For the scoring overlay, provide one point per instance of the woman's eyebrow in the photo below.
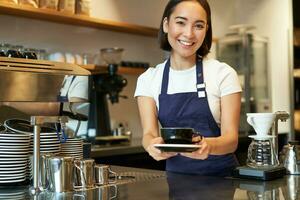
(184, 18)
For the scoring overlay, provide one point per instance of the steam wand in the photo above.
(282, 116)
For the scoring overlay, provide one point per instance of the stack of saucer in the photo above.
(49, 143)
(14, 151)
(16, 193)
(72, 147)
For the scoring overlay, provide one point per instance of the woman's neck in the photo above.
(182, 63)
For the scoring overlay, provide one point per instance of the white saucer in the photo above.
(177, 147)
(265, 137)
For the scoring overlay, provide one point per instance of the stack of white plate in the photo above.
(72, 147)
(49, 143)
(14, 194)
(14, 151)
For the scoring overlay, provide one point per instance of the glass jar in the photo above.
(3, 49)
(261, 154)
(29, 53)
(15, 52)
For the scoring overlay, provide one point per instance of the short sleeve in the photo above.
(143, 86)
(79, 87)
(229, 81)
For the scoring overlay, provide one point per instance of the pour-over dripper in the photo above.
(261, 122)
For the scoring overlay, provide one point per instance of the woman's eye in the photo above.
(180, 22)
(199, 26)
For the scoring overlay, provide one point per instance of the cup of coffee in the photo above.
(176, 135)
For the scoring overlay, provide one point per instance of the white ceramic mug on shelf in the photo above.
(261, 122)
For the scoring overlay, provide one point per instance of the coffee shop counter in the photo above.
(118, 148)
(136, 184)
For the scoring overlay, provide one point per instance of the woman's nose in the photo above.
(189, 31)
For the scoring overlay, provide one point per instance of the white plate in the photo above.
(177, 147)
(13, 181)
(15, 163)
(14, 138)
(14, 152)
(4, 141)
(12, 177)
(14, 147)
(2, 168)
(18, 135)
(11, 161)
(266, 137)
(12, 172)
(13, 157)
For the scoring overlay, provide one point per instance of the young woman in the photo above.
(190, 90)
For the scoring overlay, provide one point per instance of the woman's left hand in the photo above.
(202, 153)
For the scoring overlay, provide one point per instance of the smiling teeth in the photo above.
(185, 43)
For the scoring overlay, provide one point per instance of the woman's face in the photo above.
(186, 28)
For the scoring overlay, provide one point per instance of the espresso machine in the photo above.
(104, 87)
(27, 80)
(263, 162)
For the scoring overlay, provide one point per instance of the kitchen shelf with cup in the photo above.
(75, 19)
(98, 69)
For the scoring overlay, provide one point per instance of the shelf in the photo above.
(96, 69)
(296, 73)
(74, 19)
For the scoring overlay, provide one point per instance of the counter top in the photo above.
(153, 184)
(132, 147)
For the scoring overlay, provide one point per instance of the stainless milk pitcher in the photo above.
(102, 174)
(84, 173)
(61, 171)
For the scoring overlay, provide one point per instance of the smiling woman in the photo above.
(189, 90)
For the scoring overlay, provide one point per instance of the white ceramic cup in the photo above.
(261, 122)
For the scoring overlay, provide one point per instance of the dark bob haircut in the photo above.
(163, 37)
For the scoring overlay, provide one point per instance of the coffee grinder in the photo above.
(262, 161)
(105, 86)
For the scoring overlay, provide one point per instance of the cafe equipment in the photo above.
(84, 173)
(247, 53)
(262, 162)
(261, 190)
(105, 85)
(290, 156)
(26, 80)
(103, 173)
(61, 170)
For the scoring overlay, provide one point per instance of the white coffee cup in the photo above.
(261, 122)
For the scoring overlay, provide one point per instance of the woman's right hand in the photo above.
(156, 153)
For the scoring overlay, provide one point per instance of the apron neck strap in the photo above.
(165, 79)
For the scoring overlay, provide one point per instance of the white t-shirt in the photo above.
(76, 88)
(220, 80)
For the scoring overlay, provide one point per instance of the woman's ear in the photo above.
(165, 25)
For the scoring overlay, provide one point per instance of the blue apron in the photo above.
(191, 110)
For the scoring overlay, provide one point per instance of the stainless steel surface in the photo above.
(34, 80)
(43, 181)
(84, 173)
(282, 116)
(152, 184)
(290, 156)
(61, 171)
(37, 121)
(102, 175)
(36, 156)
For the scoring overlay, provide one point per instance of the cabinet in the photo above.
(79, 20)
